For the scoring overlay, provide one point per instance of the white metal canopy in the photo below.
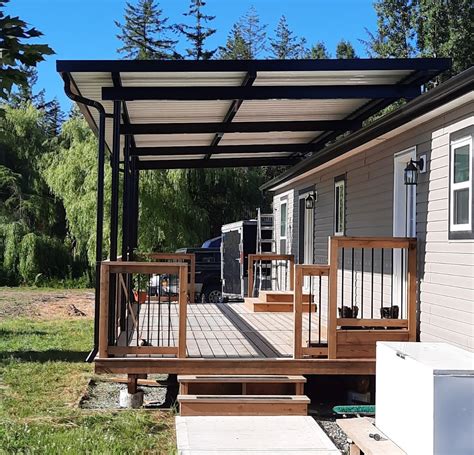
(187, 113)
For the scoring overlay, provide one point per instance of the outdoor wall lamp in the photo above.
(410, 173)
(309, 202)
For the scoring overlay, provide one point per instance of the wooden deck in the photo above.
(225, 330)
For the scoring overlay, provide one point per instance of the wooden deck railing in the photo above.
(370, 296)
(141, 332)
(190, 258)
(276, 262)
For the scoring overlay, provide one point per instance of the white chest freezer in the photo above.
(425, 397)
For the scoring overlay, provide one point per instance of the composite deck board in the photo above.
(225, 330)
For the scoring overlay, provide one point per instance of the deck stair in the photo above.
(242, 395)
(276, 302)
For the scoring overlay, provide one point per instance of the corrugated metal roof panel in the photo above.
(281, 137)
(180, 79)
(172, 140)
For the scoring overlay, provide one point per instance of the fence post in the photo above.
(298, 315)
(182, 309)
(104, 310)
(192, 296)
(332, 313)
(411, 290)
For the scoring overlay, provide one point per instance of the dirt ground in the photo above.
(46, 304)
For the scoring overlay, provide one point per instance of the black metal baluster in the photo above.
(381, 281)
(362, 287)
(148, 311)
(402, 278)
(138, 310)
(342, 283)
(372, 288)
(169, 305)
(310, 300)
(319, 312)
(352, 280)
(391, 280)
(159, 311)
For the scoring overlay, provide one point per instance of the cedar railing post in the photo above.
(298, 315)
(291, 262)
(104, 310)
(332, 313)
(250, 275)
(411, 290)
(182, 309)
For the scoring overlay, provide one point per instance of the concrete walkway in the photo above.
(252, 436)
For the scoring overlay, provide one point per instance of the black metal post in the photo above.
(114, 209)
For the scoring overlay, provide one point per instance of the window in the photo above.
(460, 183)
(339, 205)
(283, 218)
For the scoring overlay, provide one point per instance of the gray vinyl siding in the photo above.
(445, 267)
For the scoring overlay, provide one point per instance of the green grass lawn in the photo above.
(43, 376)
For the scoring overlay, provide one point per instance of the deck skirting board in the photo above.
(235, 366)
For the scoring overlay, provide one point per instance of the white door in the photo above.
(404, 223)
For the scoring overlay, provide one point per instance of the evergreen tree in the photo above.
(54, 118)
(345, 49)
(198, 33)
(395, 36)
(145, 32)
(444, 29)
(286, 45)
(16, 55)
(247, 38)
(319, 50)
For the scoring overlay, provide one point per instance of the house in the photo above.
(357, 187)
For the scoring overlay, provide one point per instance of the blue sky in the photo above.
(85, 29)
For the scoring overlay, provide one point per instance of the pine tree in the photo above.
(247, 38)
(198, 33)
(395, 36)
(286, 45)
(145, 32)
(345, 49)
(319, 50)
(54, 117)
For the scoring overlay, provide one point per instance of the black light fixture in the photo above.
(410, 173)
(309, 202)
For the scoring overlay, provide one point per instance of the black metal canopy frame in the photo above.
(365, 85)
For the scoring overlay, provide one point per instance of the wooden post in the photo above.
(192, 291)
(291, 262)
(333, 248)
(104, 310)
(298, 315)
(250, 276)
(411, 290)
(182, 310)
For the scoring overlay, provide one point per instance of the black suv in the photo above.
(208, 273)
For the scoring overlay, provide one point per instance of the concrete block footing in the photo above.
(131, 400)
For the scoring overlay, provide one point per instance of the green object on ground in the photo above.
(358, 409)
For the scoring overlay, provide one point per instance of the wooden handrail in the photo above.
(269, 257)
(118, 267)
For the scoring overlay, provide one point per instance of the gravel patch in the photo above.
(337, 436)
(105, 395)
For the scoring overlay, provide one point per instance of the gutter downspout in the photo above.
(100, 202)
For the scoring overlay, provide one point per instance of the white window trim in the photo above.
(467, 140)
(338, 184)
(284, 203)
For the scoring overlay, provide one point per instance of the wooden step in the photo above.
(256, 305)
(241, 384)
(279, 296)
(244, 405)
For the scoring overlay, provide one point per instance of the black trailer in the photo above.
(239, 239)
